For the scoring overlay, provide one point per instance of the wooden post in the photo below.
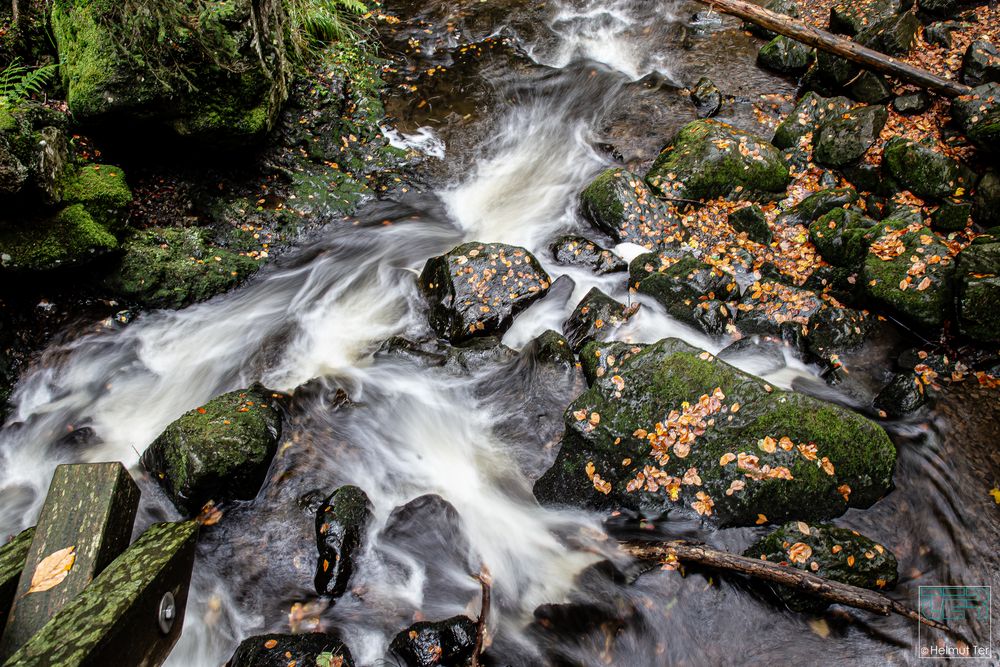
(85, 523)
(839, 46)
(12, 556)
(121, 619)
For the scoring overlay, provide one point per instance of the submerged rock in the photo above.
(978, 115)
(621, 205)
(219, 451)
(834, 553)
(844, 139)
(450, 642)
(903, 395)
(673, 428)
(341, 523)
(706, 97)
(275, 650)
(477, 288)
(708, 159)
(595, 318)
(579, 251)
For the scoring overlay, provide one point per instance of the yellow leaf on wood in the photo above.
(52, 569)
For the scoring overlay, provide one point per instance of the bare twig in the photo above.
(486, 581)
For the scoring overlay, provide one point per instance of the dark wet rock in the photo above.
(981, 64)
(606, 359)
(816, 205)
(770, 307)
(870, 88)
(730, 463)
(843, 236)
(889, 276)
(979, 290)
(597, 317)
(829, 74)
(986, 205)
(706, 98)
(750, 220)
(912, 103)
(477, 288)
(785, 56)
(922, 170)
(35, 157)
(810, 112)
(834, 330)
(978, 115)
(621, 205)
(850, 18)
(553, 349)
(449, 643)
(220, 83)
(939, 33)
(689, 289)
(786, 7)
(579, 251)
(477, 353)
(276, 650)
(219, 451)
(70, 238)
(834, 553)
(903, 395)
(174, 267)
(709, 159)
(846, 138)
(766, 355)
(944, 8)
(952, 215)
(341, 523)
(893, 35)
(398, 347)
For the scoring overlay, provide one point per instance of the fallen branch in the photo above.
(839, 46)
(485, 580)
(800, 580)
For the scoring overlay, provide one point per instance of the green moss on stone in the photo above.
(70, 238)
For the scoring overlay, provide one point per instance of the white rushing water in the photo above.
(322, 314)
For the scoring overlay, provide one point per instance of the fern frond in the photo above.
(19, 82)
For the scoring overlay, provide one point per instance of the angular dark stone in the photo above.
(981, 64)
(341, 523)
(952, 215)
(706, 97)
(870, 88)
(850, 18)
(894, 35)
(978, 115)
(276, 650)
(450, 643)
(595, 318)
(922, 170)
(843, 237)
(912, 103)
(816, 205)
(579, 251)
(620, 204)
(986, 207)
(845, 139)
(811, 111)
(688, 289)
(901, 396)
(785, 56)
(751, 221)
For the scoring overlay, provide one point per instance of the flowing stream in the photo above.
(477, 436)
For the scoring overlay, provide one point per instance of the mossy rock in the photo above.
(688, 289)
(844, 139)
(174, 267)
(817, 205)
(730, 447)
(850, 18)
(621, 205)
(978, 116)
(785, 56)
(578, 251)
(810, 112)
(596, 317)
(986, 207)
(894, 35)
(220, 451)
(707, 159)
(102, 190)
(830, 552)
(892, 278)
(477, 289)
(750, 220)
(843, 236)
(924, 171)
(70, 238)
(151, 68)
(979, 292)
(34, 152)
(341, 523)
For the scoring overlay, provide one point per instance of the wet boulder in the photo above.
(844, 139)
(986, 205)
(850, 18)
(785, 56)
(978, 115)
(688, 289)
(317, 649)
(707, 159)
(222, 83)
(69, 238)
(810, 112)
(910, 270)
(621, 205)
(894, 35)
(835, 329)
(673, 429)
(912, 103)
(980, 64)
(34, 152)
(830, 73)
(451, 642)
(172, 267)
(843, 236)
(922, 170)
(817, 205)
(579, 251)
(902, 395)
(750, 220)
(830, 552)
(770, 307)
(944, 8)
(606, 359)
(219, 451)
(979, 290)
(706, 97)
(341, 523)
(786, 7)
(477, 289)
(952, 215)
(870, 88)
(596, 318)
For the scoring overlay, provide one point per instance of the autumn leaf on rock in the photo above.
(52, 570)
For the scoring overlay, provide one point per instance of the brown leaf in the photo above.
(52, 569)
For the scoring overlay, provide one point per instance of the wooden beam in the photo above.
(839, 46)
(90, 508)
(118, 620)
(12, 556)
